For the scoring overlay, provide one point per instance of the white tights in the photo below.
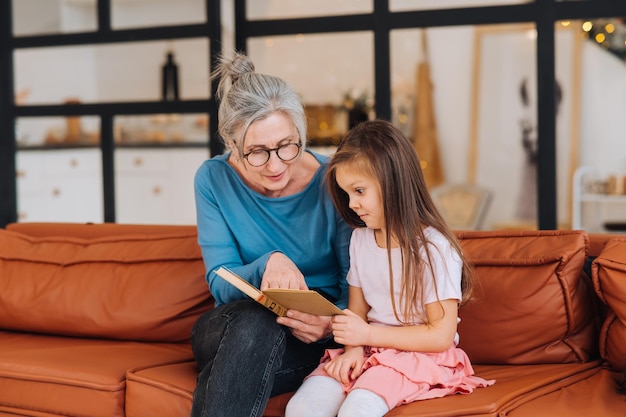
(322, 396)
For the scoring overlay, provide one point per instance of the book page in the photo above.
(279, 300)
(307, 301)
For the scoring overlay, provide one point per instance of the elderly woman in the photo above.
(263, 212)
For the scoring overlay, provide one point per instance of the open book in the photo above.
(279, 300)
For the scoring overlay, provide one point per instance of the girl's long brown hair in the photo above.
(387, 155)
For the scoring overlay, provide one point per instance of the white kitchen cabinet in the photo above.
(60, 185)
(152, 186)
(155, 186)
(592, 210)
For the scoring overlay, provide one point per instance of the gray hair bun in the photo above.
(229, 70)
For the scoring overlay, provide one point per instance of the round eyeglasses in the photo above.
(286, 152)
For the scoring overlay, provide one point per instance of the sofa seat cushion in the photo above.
(513, 382)
(532, 304)
(574, 399)
(609, 279)
(145, 287)
(161, 391)
(167, 391)
(73, 377)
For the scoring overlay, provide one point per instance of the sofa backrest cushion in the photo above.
(95, 230)
(609, 279)
(531, 303)
(144, 287)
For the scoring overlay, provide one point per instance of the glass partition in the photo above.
(159, 129)
(134, 14)
(414, 5)
(336, 84)
(285, 9)
(597, 180)
(431, 76)
(466, 96)
(113, 72)
(55, 131)
(37, 17)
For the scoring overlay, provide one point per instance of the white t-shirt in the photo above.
(369, 270)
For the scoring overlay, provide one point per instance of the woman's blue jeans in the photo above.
(244, 357)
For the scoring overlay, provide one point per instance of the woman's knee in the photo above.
(234, 325)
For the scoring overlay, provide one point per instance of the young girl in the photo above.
(407, 278)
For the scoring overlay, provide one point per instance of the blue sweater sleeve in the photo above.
(218, 243)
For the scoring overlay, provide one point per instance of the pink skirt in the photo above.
(402, 377)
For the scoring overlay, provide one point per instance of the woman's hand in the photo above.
(308, 328)
(348, 366)
(281, 272)
(350, 329)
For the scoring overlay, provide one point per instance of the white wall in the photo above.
(603, 113)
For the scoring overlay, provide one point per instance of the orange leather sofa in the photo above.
(95, 321)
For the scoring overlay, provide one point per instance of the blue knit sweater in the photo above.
(239, 228)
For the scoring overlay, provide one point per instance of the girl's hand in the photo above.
(348, 366)
(281, 272)
(308, 328)
(350, 329)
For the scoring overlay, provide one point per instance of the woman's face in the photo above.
(268, 134)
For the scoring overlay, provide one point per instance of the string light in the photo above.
(609, 33)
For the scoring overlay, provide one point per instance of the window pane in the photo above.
(407, 5)
(609, 33)
(161, 128)
(445, 56)
(481, 122)
(330, 82)
(115, 72)
(145, 13)
(51, 131)
(505, 134)
(598, 146)
(35, 17)
(285, 9)
(568, 44)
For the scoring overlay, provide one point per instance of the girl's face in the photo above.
(269, 134)
(364, 193)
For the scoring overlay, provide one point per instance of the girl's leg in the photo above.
(363, 403)
(318, 396)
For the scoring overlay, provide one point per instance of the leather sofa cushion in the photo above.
(531, 303)
(593, 396)
(166, 391)
(44, 375)
(96, 230)
(513, 383)
(143, 287)
(609, 279)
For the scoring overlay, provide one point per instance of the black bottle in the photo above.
(169, 79)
